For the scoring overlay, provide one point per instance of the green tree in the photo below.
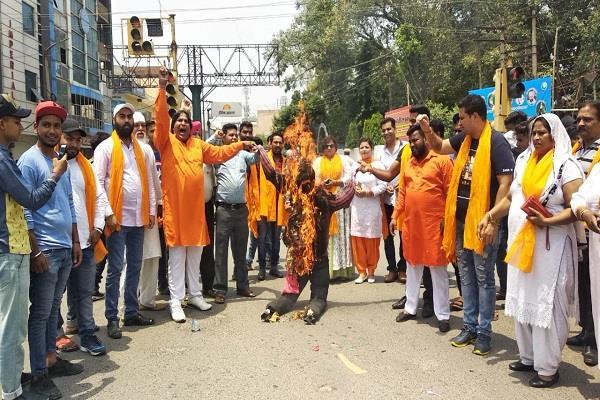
(371, 129)
(352, 136)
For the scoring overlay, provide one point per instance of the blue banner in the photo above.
(536, 100)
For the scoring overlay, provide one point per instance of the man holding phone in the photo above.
(55, 249)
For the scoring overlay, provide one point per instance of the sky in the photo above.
(209, 22)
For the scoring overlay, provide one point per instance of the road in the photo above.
(356, 351)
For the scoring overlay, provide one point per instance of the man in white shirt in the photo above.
(387, 155)
(132, 199)
(80, 285)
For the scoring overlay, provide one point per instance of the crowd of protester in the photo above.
(523, 204)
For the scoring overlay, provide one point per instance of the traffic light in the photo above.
(173, 93)
(135, 35)
(516, 88)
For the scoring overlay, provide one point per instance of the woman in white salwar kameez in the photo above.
(335, 171)
(586, 207)
(542, 255)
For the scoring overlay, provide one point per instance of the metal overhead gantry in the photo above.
(203, 68)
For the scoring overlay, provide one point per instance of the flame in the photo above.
(301, 225)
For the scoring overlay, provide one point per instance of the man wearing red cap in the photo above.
(55, 249)
(125, 174)
(15, 251)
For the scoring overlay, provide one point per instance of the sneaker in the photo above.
(64, 343)
(64, 368)
(177, 313)
(91, 344)
(43, 384)
(464, 338)
(483, 345)
(29, 395)
(97, 295)
(199, 303)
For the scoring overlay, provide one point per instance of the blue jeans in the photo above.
(45, 294)
(80, 288)
(132, 238)
(14, 299)
(252, 247)
(478, 284)
(268, 232)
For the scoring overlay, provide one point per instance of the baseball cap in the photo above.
(8, 107)
(119, 107)
(50, 108)
(70, 125)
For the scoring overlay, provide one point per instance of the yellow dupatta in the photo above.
(115, 189)
(332, 169)
(520, 253)
(89, 181)
(479, 199)
(253, 199)
(577, 146)
(404, 158)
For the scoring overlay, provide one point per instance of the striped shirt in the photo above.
(586, 155)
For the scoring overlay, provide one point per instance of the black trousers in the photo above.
(207, 262)
(319, 288)
(388, 246)
(501, 267)
(163, 262)
(586, 317)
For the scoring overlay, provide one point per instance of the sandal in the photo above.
(219, 298)
(64, 343)
(456, 304)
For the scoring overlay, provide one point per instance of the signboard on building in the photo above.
(536, 100)
(220, 109)
(402, 117)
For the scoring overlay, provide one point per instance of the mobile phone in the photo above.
(62, 151)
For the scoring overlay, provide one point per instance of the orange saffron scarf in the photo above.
(89, 181)
(595, 160)
(115, 189)
(479, 199)
(332, 169)
(253, 199)
(535, 176)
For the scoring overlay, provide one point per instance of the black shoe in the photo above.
(113, 330)
(42, 384)
(28, 395)
(404, 316)
(266, 315)
(590, 355)
(464, 338)
(276, 273)
(262, 275)
(97, 295)
(25, 378)
(64, 368)
(520, 367)
(138, 320)
(427, 311)
(577, 340)
(310, 318)
(500, 296)
(399, 305)
(444, 326)
(538, 382)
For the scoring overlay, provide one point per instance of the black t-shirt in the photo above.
(503, 163)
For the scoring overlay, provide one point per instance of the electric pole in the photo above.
(534, 43)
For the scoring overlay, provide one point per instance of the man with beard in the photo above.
(125, 175)
(15, 250)
(271, 213)
(185, 227)
(587, 151)
(55, 248)
(152, 245)
(91, 208)
(423, 186)
(325, 205)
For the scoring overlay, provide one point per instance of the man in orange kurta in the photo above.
(185, 228)
(423, 186)
(271, 213)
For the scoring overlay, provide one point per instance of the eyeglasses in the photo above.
(330, 146)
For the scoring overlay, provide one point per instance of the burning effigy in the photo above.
(308, 209)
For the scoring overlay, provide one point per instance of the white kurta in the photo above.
(366, 212)
(151, 236)
(589, 196)
(530, 296)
